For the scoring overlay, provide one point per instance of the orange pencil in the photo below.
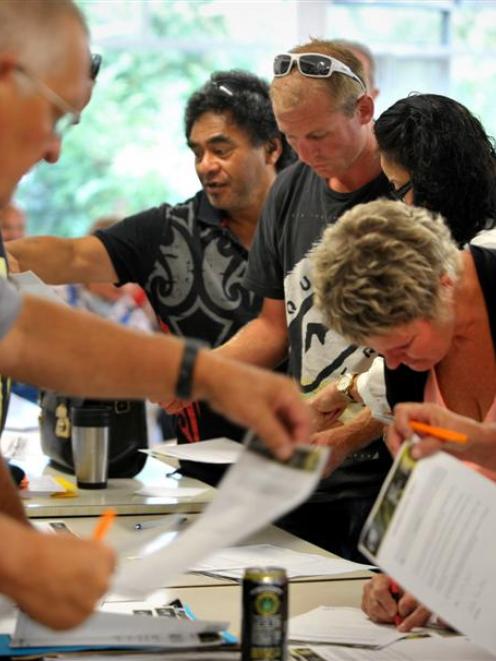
(103, 524)
(439, 432)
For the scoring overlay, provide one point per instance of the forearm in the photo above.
(356, 434)
(258, 343)
(62, 261)
(80, 354)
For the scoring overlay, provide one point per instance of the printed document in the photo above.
(341, 626)
(214, 451)
(231, 562)
(118, 630)
(427, 649)
(254, 492)
(433, 529)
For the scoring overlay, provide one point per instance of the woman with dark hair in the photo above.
(438, 156)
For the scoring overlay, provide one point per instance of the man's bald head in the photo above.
(34, 30)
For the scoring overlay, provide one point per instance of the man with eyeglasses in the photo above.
(190, 257)
(321, 105)
(44, 75)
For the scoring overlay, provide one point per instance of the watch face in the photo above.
(344, 383)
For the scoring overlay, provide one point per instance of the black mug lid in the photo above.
(90, 417)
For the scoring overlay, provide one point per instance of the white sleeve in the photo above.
(372, 388)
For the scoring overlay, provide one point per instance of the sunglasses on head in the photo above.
(312, 65)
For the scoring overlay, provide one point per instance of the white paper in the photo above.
(23, 446)
(427, 649)
(116, 629)
(439, 544)
(231, 562)
(343, 626)
(22, 415)
(255, 491)
(158, 491)
(215, 451)
(41, 485)
(29, 283)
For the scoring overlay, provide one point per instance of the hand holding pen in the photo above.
(385, 603)
(435, 428)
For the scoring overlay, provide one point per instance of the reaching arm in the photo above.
(263, 341)
(349, 437)
(76, 353)
(61, 261)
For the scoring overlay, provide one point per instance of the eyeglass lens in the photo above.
(282, 64)
(314, 65)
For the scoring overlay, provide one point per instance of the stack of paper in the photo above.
(341, 626)
(428, 649)
(116, 630)
(215, 451)
(256, 490)
(231, 562)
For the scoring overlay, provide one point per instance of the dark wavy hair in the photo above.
(246, 98)
(450, 158)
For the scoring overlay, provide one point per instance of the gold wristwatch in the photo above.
(345, 384)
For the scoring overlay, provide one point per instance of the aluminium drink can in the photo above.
(265, 614)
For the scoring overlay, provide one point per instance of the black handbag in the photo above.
(128, 432)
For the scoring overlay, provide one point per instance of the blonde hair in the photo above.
(289, 91)
(35, 30)
(379, 266)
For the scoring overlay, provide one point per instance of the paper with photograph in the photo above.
(433, 529)
(254, 492)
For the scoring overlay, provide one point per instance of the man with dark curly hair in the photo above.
(190, 258)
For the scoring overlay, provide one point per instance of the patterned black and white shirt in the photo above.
(192, 268)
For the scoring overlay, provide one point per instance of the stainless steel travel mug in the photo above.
(90, 446)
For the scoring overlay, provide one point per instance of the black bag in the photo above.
(128, 432)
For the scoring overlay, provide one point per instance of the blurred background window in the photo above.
(129, 152)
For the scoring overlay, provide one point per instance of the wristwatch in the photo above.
(344, 385)
(184, 383)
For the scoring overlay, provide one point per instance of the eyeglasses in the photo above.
(96, 63)
(68, 117)
(399, 193)
(312, 65)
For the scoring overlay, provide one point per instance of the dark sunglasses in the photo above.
(399, 193)
(312, 65)
(96, 63)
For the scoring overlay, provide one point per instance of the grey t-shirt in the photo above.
(299, 207)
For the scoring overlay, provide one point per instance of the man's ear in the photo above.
(365, 108)
(273, 151)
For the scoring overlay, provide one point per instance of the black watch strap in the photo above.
(184, 384)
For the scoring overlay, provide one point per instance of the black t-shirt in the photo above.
(298, 209)
(192, 268)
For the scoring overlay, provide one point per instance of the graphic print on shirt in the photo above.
(318, 354)
(197, 281)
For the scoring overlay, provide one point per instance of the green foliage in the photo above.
(105, 165)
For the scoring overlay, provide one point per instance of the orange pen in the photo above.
(439, 432)
(103, 524)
